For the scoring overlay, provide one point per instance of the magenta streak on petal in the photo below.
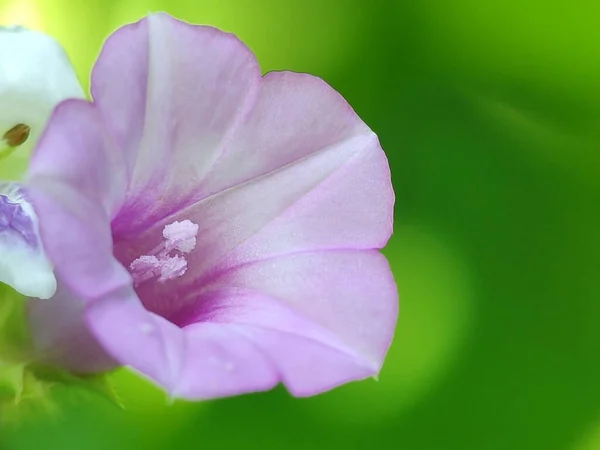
(216, 215)
(195, 113)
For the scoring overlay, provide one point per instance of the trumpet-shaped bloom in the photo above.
(219, 229)
(35, 75)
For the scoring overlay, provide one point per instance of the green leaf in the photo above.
(26, 385)
(98, 384)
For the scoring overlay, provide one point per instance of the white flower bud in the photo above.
(35, 75)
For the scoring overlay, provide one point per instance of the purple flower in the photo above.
(216, 231)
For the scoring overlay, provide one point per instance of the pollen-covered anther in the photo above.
(166, 262)
(181, 235)
(145, 268)
(172, 267)
(17, 135)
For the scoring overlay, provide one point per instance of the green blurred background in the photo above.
(490, 115)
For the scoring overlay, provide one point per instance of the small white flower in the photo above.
(35, 76)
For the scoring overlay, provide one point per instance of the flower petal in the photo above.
(75, 181)
(35, 75)
(302, 173)
(23, 263)
(332, 191)
(249, 342)
(296, 115)
(311, 321)
(171, 93)
(348, 292)
(61, 337)
(137, 338)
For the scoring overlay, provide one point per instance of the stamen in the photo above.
(144, 268)
(166, 260)
(181, 235)
(13, 138)
(172, 267)
(17, 135)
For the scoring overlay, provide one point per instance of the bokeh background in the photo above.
(490, 115)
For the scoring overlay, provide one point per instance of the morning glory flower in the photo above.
(215, 230)
(35, 75)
